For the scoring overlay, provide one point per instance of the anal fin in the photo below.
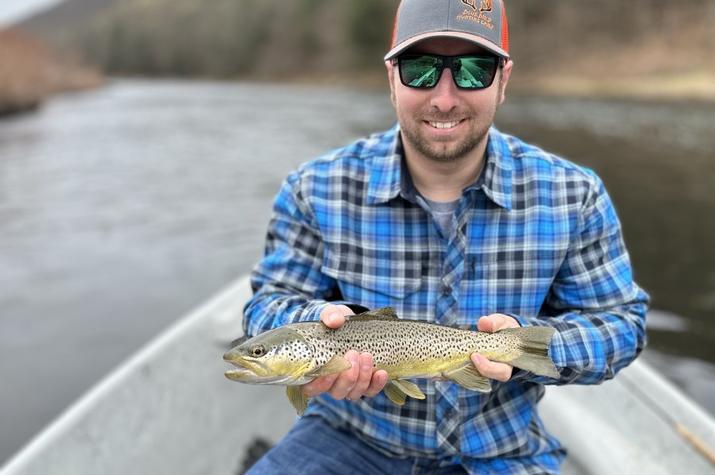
(469, 377)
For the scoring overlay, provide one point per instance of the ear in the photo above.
(504, 80)
(391, 79)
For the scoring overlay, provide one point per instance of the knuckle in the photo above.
(339, 391)
(376, 385)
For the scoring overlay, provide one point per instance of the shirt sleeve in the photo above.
(288, 285)
(594, 304)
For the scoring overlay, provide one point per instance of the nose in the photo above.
(445, 93)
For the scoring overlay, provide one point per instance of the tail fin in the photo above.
(534, 347)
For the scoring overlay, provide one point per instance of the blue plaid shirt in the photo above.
(536, 237)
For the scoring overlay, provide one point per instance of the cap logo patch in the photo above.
(484, 5)
(481, 15)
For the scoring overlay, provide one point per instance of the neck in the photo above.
(444, 181)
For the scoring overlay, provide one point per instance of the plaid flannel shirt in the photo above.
(537, 237)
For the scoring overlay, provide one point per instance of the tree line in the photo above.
(281, 39)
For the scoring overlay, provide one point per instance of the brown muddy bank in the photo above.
(30, 72)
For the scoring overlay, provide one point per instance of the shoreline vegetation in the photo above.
(645, 50)
(30, 72)
(696, 86)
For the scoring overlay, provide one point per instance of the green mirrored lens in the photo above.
(468, 71)
(474, 72)
(420, 71)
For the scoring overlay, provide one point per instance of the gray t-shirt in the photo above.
(443, 212)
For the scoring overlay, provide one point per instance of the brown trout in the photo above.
(297, 353)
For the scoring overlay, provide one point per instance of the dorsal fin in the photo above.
(385, 313)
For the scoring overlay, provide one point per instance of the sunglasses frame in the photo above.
(449, 62)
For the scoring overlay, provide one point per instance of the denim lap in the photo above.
(314, 446)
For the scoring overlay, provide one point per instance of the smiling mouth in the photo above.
(443, 125)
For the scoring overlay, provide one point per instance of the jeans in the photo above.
(314, 447)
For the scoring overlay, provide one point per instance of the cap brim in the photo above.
(478, 40)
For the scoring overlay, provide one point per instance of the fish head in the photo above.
(279, 356)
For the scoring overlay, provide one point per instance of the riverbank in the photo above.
(696, 86)
(692, 86)
(646, 49)
(30, 72)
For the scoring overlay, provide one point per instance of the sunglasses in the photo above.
(422, 71)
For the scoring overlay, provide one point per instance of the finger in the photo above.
(495, 322)
(491, 369)
(333, 316)
(319, 385)
(377, 383)
(485, 324)
(347, 379)
(364, 377)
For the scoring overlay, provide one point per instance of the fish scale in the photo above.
(392, 343)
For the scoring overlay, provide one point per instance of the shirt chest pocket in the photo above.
(373, 277)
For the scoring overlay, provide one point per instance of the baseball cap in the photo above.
(480, 21)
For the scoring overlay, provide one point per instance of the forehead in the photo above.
(447, 47)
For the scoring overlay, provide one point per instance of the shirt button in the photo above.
(446, 290)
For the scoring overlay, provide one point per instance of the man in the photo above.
(445, 219)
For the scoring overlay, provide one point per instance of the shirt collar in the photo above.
(497, 175)
(386, 167)
(386, 171)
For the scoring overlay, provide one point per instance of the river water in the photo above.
(123, 208)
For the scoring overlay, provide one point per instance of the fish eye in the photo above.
(258, 351)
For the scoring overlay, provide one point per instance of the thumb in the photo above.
(333, 316)
(495, 322)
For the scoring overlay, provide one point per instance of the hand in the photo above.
(490, 369)
(354, 383)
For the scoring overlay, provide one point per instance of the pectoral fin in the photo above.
(409, 388)
(469, 377)
(336, 364)
(394, 393)
(297, 398)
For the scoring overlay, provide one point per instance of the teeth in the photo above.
(444, 125)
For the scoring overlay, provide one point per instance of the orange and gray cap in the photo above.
(480, 21)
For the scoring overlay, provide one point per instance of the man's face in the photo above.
(446, 123)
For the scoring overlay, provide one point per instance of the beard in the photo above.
(442, 151)
(445, 150)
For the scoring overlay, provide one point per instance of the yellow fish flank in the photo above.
(295, 354)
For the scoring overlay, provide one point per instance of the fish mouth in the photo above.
(247, 371)
(241, 374)
(245, 375)
(242, 371)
